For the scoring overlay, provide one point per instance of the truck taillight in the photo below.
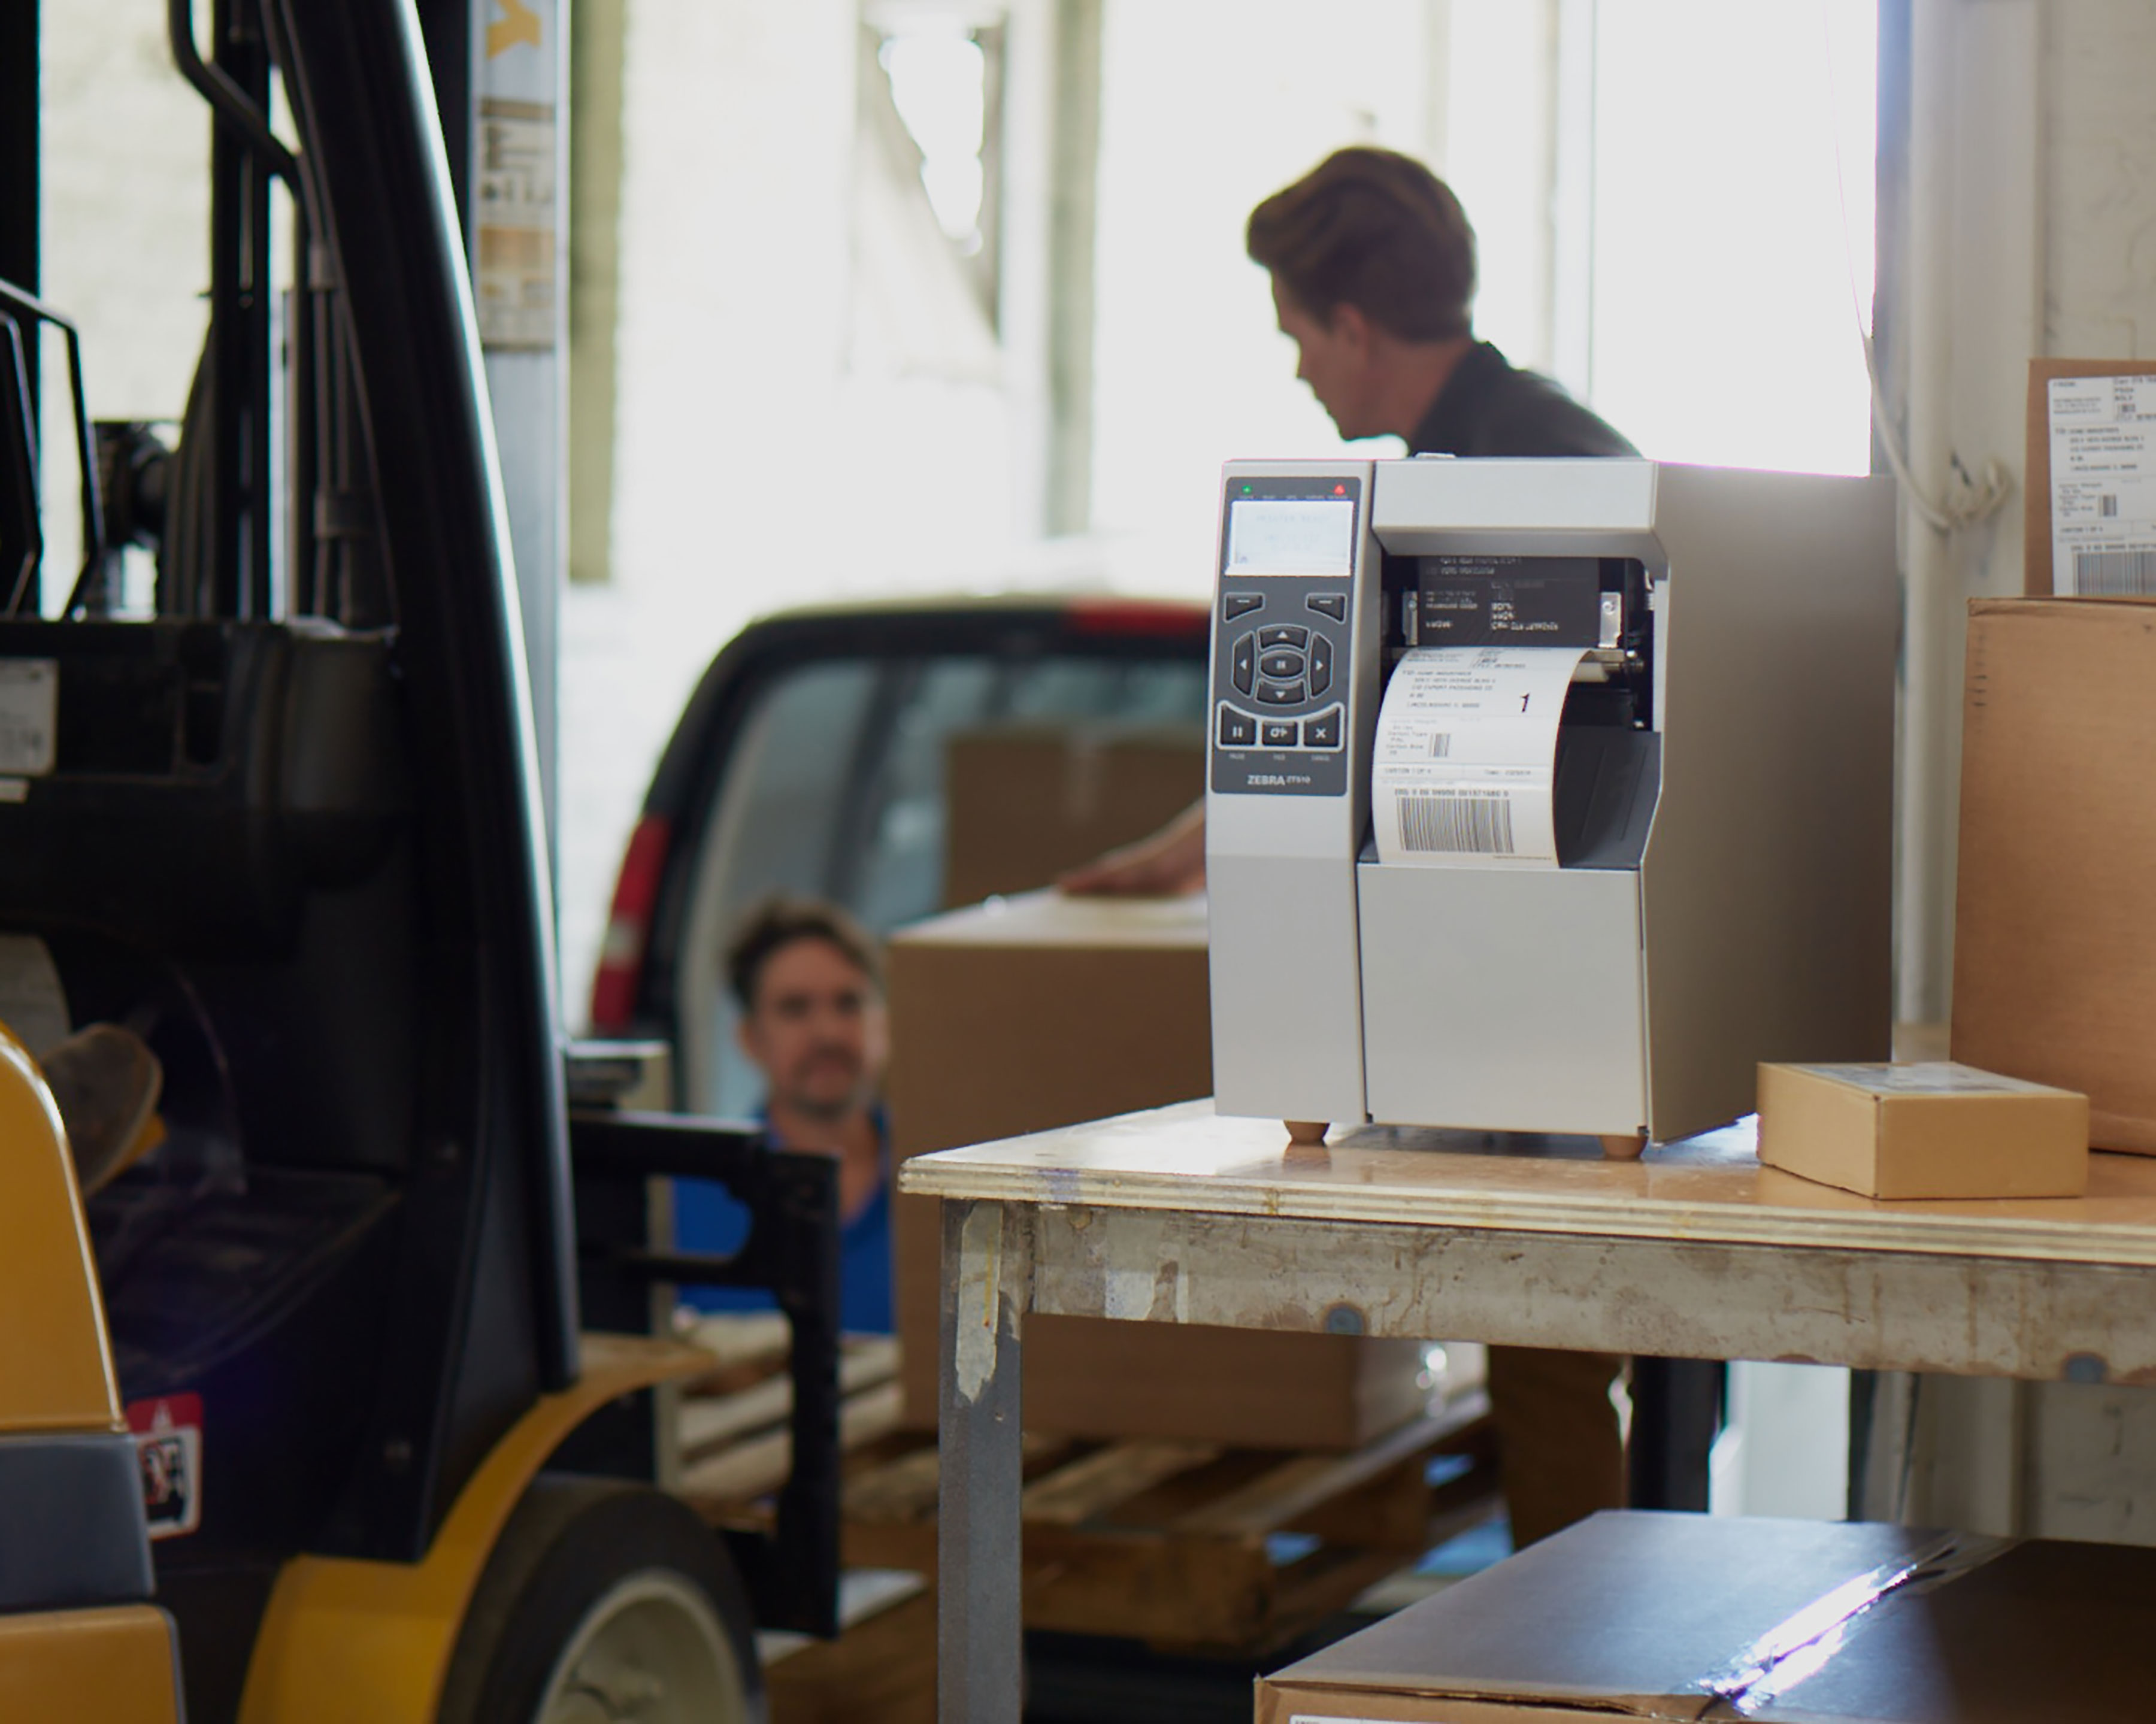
(628, 928)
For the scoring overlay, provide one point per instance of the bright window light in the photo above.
(1732, 243)
(938, 85)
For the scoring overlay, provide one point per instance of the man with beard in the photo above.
(809, 984)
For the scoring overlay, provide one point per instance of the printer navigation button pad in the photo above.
(1280, 687)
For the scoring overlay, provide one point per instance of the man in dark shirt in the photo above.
(1373, 266)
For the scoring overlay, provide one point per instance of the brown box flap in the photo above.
(1784, 1622)
(1026, 803)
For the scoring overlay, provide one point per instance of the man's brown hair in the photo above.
(1376, 230)
(777, 922)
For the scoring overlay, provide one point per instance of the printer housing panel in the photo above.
(1767, 879)
(1283, 824)
(1503, 966)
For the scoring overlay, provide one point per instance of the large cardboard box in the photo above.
(1684, 1617)
(1044, 1010)
(1931, 1129)
(2054, 924)
(1027, 802)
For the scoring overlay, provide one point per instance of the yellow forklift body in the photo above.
(114, 1665)
(55, 1360)
(348, 1642)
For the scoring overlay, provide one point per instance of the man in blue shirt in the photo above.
(809, 983)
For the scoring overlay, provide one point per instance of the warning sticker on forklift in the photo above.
(29, 715)
(168, 1442)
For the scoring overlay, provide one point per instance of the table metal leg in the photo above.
(987, 1282)
(1676, 1413)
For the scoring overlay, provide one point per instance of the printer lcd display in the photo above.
(1292, 536)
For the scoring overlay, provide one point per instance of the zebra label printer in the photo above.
(1546, 795)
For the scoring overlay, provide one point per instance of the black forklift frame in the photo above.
(791, 1251)
(21, 312)
(400, 477)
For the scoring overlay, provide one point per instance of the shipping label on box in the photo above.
(2089, 502)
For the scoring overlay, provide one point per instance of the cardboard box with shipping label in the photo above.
(2054, 916)
(1044, 1010)
(1669, 1617)
(1934, 1129)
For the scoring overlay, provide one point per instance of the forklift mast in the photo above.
(290, 831)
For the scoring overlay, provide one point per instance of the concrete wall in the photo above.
(2099, 178)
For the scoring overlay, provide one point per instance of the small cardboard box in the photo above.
(1044, 1010)
(1936, 1130)
(2036, 566)
(1028, 802)
(2055, 922)
(1693, 1616)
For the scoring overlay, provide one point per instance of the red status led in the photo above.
(1339, 491)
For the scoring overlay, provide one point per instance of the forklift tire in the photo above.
(602, 1601)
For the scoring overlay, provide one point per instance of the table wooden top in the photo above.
(1706, 1189)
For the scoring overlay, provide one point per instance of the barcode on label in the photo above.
(2105, 574)
(2106, 506)
(1476, 822)
(1440, 745)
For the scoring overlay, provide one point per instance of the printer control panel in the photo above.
(1282, 633)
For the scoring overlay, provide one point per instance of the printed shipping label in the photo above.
(1464, 772)
(2103, 486)
(29, 716)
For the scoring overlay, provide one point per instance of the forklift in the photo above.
(349, 1402)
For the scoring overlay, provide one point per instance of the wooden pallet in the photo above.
(1186, 1546)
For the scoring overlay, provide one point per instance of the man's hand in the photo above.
(1169, 865)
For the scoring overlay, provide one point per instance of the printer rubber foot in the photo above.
(1306, 1131)
(1624, 1146)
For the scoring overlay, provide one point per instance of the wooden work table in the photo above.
(1179, 1215)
